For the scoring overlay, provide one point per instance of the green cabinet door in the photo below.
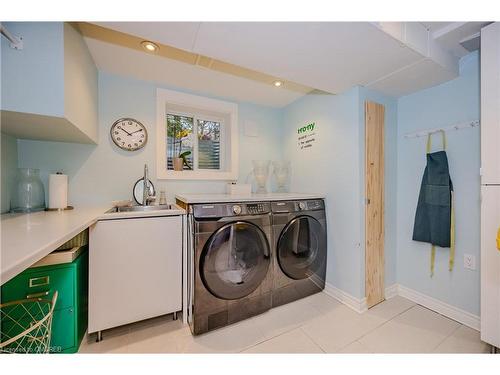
(63, 331)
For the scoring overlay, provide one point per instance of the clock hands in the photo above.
(119, 127)
(140, 130)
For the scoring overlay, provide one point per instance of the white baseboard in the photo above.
(358, 305)
(452, 312)
(391, 291)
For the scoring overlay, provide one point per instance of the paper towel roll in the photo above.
(58, 191)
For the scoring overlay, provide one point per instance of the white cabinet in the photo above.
(490, 265)
(49, 88)
(490, 179)
(490, 104)
(135, 270)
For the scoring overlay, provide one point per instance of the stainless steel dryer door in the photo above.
(235, 260)
(301, 248)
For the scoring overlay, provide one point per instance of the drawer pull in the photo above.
(39, 281)
(36, 295)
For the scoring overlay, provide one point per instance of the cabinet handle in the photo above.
(36, 295)
(498, 239)
(39, 281)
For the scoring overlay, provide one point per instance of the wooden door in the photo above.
(374, 212)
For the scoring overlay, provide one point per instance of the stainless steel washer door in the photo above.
(301, 248)
(235, 260)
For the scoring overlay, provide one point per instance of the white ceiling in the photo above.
(450, 34)
(433, 26)
(396, 58)
(128, 62)
(328, 56)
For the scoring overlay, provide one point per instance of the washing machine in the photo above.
(231, 266)
(300, 249)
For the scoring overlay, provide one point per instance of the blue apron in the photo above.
(434, 218)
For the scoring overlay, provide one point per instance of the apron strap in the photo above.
(433, 258)
(452, 234)
(429, 142)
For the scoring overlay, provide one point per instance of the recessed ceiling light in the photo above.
(149, 46)
(278, 83)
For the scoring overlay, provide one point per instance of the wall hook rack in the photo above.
(457, 126)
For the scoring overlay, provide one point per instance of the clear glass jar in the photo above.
(281, 171)
(261, 172)
(29, 194)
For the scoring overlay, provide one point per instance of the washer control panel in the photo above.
(257, 208)
(230, 209)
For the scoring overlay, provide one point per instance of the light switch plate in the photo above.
(470, 262)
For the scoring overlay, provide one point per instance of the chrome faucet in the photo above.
(146, 198)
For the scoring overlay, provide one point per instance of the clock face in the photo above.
(129, 134)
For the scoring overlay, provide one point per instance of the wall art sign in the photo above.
(306, 136)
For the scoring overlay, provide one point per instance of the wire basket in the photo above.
(26, 325)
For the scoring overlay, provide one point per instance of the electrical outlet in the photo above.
(469, 262)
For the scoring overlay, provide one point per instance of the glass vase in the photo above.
(261, 172)
(29, 194)
(281, 171)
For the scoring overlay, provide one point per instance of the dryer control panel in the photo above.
(297, 206)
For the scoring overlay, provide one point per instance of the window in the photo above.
(179, 139)
(209, 155)
(197, 137)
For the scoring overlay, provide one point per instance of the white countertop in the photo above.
(27, 238)
(227, 198)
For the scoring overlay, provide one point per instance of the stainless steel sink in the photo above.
(141, 208)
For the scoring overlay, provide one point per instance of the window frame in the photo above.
(197, 105)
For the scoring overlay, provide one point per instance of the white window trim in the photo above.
(163, 98)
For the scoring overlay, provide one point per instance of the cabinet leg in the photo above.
(99, 336)
(493, 349)
(175, 315)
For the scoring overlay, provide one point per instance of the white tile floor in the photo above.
(315, 324)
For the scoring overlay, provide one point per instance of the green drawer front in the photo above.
(64, 331)
(41, 280)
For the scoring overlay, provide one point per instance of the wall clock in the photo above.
(129, 134)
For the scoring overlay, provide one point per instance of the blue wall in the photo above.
(334, 166)
(454, 101)
(100, 174)
(330, 167)
(40, 61)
